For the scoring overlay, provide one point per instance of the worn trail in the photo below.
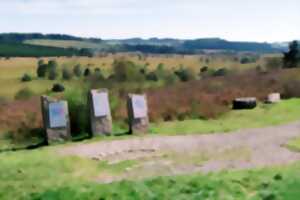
(242, 149)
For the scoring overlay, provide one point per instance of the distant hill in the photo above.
(152, 45)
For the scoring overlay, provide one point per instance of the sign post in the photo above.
(56, 120)
(100, 114)
(138, 113)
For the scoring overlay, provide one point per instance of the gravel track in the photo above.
(265, 146)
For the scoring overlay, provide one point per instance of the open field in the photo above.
(11, 70)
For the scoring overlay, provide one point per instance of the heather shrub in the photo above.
(291, 89)
(26, 78)
(24, 94)
(66, 73)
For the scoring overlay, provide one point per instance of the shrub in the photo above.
(24, 94)
(221, 72)
(291, 89)
(77, 70)
(248, 59)
(203, 69)
(152, 76)
(171, 78)
(185, 74)
(273, 63)
(79, 112)
(52, 70)
(98, 74)
(66, 74)
(127, 71)
(42, 70)
(26, 78)
(161, 72)
(57, 87)
(87, 72)
(52, 74)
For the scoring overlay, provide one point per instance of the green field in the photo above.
(294, 145)
(264, 115)
(44, 175)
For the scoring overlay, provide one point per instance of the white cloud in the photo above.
(231, 19)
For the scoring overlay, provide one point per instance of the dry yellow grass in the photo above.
(12, 69)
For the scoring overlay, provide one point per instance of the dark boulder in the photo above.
(244, 103)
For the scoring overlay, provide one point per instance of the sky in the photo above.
(235, 20)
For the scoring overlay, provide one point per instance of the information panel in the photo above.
(139, 106)
(101, 104)
(57, 115)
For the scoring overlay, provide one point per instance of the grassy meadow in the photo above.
(264, 115)
(45, 175)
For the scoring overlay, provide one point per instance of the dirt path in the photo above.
(168, 155)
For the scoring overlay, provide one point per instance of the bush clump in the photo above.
(127, 71)
(185, 74)
(24, 94)
(57, 87)
(66, 74)
(26, 78)
(77, 70)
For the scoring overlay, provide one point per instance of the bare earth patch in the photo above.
(170, 155)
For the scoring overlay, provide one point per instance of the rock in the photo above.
(274, 98)
(56, 120)
(138, 114)
(244, 103)
(100, 113)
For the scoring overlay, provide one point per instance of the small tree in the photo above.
(185, 74)
(77, 70)
(125, 70)
(26, 78)
(87, 72)
(292, 57)
(42, 69)
(52, 70)
(66, 74)
(52, 74)
(52, 64)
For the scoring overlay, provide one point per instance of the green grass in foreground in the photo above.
(43, 175)
(294, 145)
(264, 115)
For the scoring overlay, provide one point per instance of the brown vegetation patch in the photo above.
(210, 97)
(17, 114)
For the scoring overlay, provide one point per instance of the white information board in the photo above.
(139, 106)
(57, 115)
(101, 104)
